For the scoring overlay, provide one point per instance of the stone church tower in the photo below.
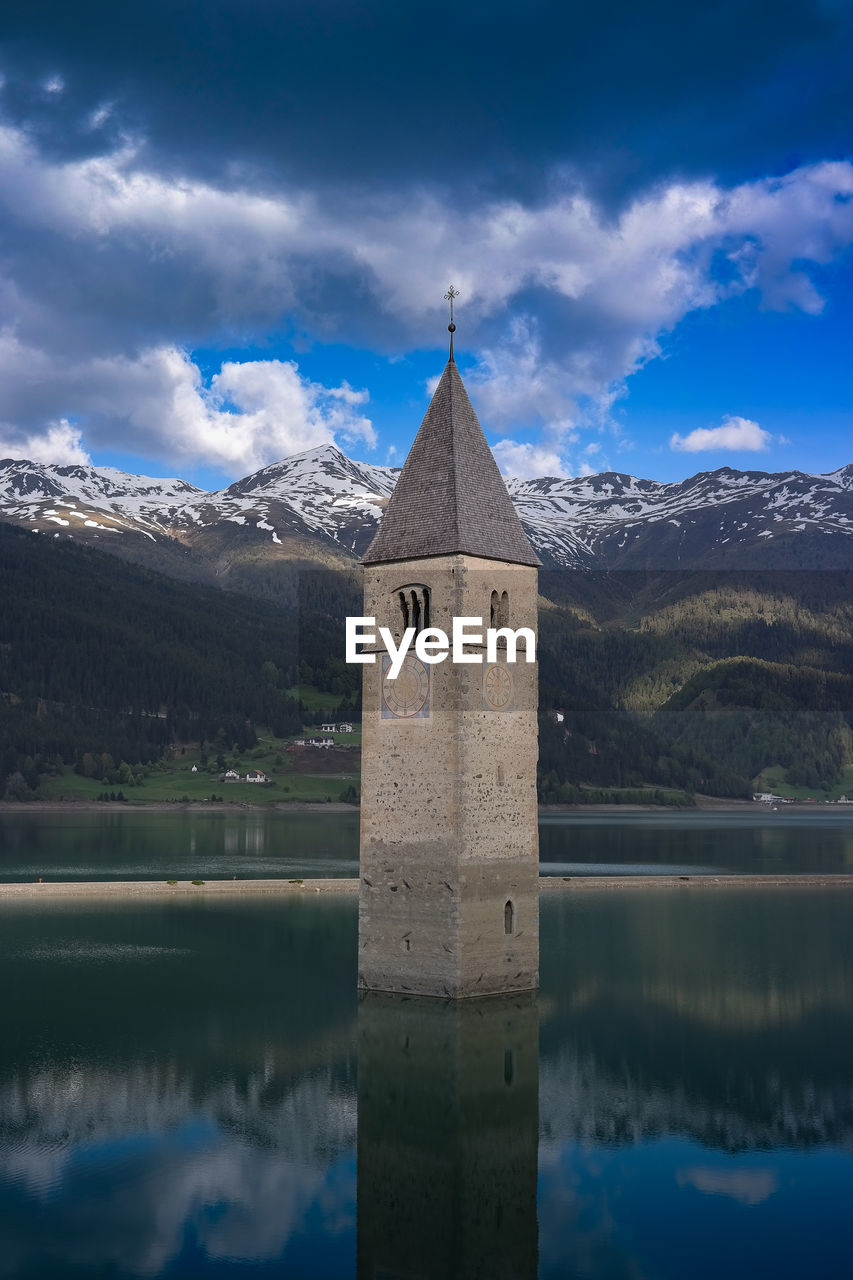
(448, 899)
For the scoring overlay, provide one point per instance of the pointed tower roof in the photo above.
(450, 496)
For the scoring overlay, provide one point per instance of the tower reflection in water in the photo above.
(448, 1123)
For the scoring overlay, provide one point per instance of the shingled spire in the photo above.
(450, 497)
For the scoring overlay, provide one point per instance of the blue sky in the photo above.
(227, 230)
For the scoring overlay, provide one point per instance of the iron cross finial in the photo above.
(450, 295)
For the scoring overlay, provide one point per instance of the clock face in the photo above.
(497, 688)
(406, 696)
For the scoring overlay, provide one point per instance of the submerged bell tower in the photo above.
(449, 864)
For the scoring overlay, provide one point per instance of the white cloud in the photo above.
(736, 434)
(515, 384)
(60, 444)
(526, 461)
(275, 412)
(153, 263)
(252, 414)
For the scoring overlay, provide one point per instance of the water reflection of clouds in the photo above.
(240, 1203)
(747, 1186)
(129, 1162)
(633, 1212)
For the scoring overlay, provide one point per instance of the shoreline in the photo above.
(121, 889)
(230, 807)
(704, 805)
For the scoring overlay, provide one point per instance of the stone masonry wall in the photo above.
(448, 817)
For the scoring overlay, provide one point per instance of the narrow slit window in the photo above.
(404, 606)
(494, 606)
(509, 917)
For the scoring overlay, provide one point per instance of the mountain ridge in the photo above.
(320, 503)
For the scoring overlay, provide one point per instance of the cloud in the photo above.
(59, 444)
(252, 413)
(526, 461)
(294, 94)
(118, 269)
(736, 434)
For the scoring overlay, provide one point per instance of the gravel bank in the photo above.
(547, 884)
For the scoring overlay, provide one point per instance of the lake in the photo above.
(193, 1089)
(116, 844)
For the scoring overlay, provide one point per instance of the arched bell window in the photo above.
(414, 606)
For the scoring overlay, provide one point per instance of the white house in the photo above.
(232, 775)
(255, 775)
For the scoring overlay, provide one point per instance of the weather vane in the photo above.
(450, 295)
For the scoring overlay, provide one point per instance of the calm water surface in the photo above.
(192, 1089)
(123, 845)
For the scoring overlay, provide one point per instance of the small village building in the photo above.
(255, 775)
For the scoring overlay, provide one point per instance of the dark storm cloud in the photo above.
(480, 94)
(263, 175)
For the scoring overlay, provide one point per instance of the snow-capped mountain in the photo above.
(323, 499)
(723, 517)
(329, 495)
(101, 499)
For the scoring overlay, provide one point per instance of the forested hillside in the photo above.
(103, 658)
(701, 680)
(697, 682)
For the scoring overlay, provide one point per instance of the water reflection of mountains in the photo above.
(669, 1013)
(728, 1019)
